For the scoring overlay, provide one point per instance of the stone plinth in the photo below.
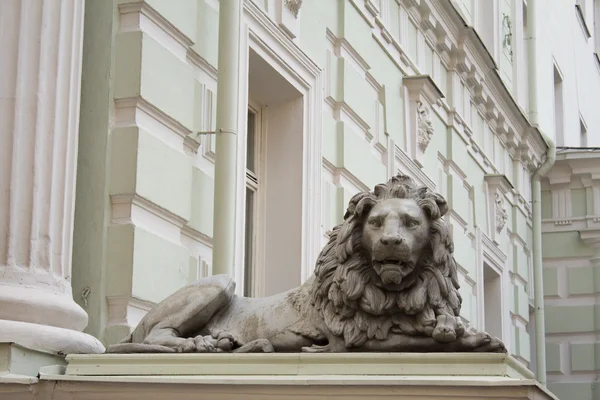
(40, 60)
(292, 376)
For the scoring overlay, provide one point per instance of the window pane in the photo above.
(249, 242)
(250, 141)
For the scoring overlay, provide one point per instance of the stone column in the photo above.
(40, 60)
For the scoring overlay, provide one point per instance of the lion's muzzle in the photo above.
(392, 271)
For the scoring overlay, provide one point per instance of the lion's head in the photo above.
(389, 265)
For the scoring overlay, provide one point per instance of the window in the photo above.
(582, 133)
(284, 201)
(597, 29)
(273, 238)
(583, 16)
(558, 108)
(253, 136)
(492, 297)
(524, 62)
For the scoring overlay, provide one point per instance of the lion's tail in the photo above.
(138, 348)
(126, 346)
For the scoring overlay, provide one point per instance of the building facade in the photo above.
(335, 96)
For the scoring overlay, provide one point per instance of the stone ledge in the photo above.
(298, 364)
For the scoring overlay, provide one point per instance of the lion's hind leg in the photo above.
(175, 321)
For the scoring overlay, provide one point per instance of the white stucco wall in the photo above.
(563, 43)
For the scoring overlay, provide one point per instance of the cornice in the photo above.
(499, 181)
(575, 167)
(142, 7)
(477, 68)
(197, 60)
(493, 252)
(413, 169)
(127, 112)
(590, 237)
(423, 85)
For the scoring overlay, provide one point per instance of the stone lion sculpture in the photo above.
(385, 282)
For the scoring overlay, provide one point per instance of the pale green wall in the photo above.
(117, 259)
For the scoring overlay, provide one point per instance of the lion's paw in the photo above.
(445, 329)
(475, 340)
(494, 345)
(186, 346)
(216, 343)
(483, 343)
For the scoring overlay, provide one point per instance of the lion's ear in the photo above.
(380, 190)
(441, 203)
(351, 210)
(365, 205)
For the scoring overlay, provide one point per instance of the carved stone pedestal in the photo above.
(291, 376)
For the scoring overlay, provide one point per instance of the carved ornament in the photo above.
(424, 125)
(501, 212)
(293, 6)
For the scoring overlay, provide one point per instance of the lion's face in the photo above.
(395, 233)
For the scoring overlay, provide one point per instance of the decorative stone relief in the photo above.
(378, 286)
(501, 212)
(293, 6)
(424, 126)
(421, 93)
(498, 188)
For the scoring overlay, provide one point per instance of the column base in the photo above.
(38, 304)
(49, 339)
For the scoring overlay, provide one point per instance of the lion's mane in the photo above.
(350, 295)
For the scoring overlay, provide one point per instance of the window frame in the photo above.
(262, 36)
(254, 182)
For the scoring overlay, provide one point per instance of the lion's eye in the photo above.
(375, 223)
(413, 223)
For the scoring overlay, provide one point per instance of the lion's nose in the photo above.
(391, 240)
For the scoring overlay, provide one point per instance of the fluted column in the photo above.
(40, 64)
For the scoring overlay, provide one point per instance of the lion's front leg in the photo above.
(447, 328)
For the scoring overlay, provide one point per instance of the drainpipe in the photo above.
(230, 19)
(536, 196)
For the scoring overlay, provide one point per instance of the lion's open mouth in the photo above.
(392, 271)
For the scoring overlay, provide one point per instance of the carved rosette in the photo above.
(424, 125)
(293, 6)
(501, 212)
